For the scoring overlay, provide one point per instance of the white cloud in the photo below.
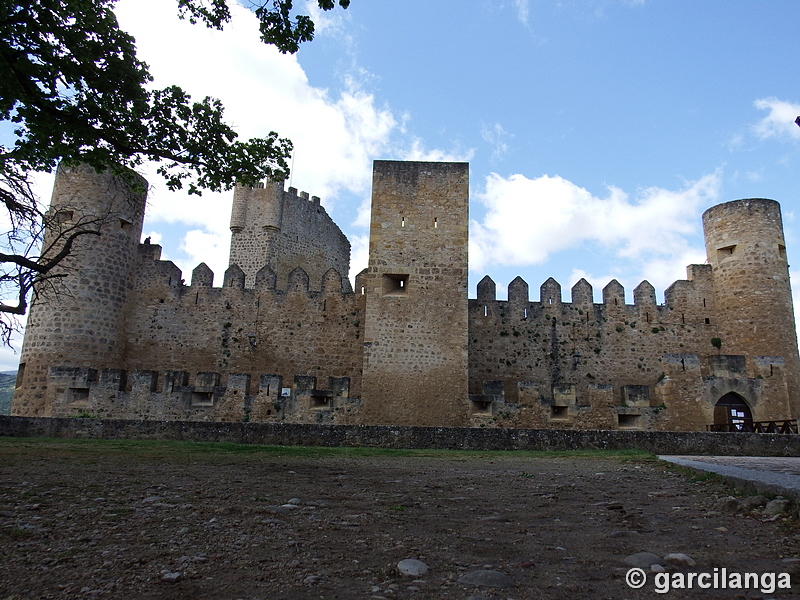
(528, 220)
(523, 10)
(335, 136)
(497, 138)
(417, 151)
(779, 123)
(359, 255)
(202, 246)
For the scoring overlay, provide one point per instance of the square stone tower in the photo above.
(415, 329)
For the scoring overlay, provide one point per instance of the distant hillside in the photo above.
(7, 381)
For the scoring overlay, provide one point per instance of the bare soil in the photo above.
(88, 519)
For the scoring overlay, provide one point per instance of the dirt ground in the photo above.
(149, 520)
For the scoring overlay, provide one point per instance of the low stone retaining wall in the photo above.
(454, 438)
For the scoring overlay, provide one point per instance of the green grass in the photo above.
(180, 449)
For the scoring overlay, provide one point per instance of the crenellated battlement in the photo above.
(156, 272)
(692, 296)
(282, 335)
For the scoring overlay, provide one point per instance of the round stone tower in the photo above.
(256, 218)
(78, 318)
(752, 296)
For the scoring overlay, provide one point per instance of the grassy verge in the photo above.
(18, 448)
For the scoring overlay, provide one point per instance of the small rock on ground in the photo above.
(643, 560)
(412, 567)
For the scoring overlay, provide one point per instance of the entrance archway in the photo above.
(732, 413)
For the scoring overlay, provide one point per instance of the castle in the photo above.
(286, 338)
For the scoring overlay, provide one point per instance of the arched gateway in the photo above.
(731, 413)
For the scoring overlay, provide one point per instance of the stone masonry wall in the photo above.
(80, 319)
(281, 231)
(747, 251)
(587, 365)
(415, 356)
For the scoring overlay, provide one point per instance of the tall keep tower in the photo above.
(752, 295)
(415, 336)
(80, 320)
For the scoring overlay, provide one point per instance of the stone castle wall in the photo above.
(285, 337)
(581, 364)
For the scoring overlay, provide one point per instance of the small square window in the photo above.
(726, 252)
(629, 421)
(202, 399)
(64, 216)
(395, 285)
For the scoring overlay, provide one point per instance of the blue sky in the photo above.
(597, 131)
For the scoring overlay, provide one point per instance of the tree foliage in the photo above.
(73, 90)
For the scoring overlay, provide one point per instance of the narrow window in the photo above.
(402, 221)
(324, 305)
(485, 311)
(708, 321)
(782, 251)
(549, 300)
(683, 318)
(704, 302)
(362, 290)
(197, 298)
(435, 222)
(525, 312)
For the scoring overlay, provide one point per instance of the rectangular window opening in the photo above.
(435, 223)
(395, 284)
(726, 252)
(559, 413)
(202, 399)
(64, 216)
(20, 375)
(320, 402)
(402, 221)
(79, 394)
(782, 251)
(125, 225)
(481, 407)
(629, 421)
